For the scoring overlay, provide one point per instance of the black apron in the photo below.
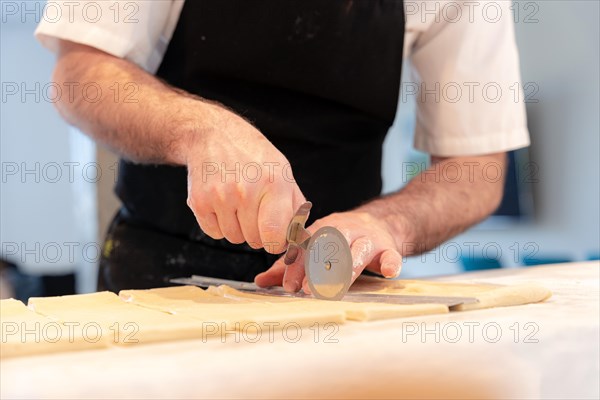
(319, 79)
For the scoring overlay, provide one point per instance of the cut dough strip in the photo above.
(351, 311)
(489, 295)
(228, 313)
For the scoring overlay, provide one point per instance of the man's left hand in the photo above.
(371, 244)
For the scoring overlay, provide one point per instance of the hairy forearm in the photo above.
(449, 197)
(136, 115)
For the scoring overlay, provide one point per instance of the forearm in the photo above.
(449, 197)
(152, 122)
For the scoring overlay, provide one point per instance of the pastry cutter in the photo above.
(328, 268)
(327, 257)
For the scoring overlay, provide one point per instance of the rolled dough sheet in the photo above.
(352, 311)
(25, 333)
(489, 295)
(228, 313)
(117, 322)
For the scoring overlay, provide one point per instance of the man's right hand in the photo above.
(164, 125)
(240, 187)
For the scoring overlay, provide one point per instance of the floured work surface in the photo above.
(186, 312)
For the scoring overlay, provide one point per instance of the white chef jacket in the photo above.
(463, 56)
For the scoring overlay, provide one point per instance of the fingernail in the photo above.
(392, 270)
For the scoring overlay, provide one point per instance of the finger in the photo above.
(206, 218)
(294, 274)
(210, 225)
(247, 217)
(388, 263)
(273, 276)
(391, 263)
(274, 215)
(229, 225)
(363, 252)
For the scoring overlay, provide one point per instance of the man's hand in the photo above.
(371, 244)
(444, 200)
(239, 185)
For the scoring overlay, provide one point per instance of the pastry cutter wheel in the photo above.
(327, 261)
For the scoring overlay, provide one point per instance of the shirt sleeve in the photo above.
(138, 31)
(467, 84)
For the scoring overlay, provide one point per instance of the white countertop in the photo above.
(548, 350)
